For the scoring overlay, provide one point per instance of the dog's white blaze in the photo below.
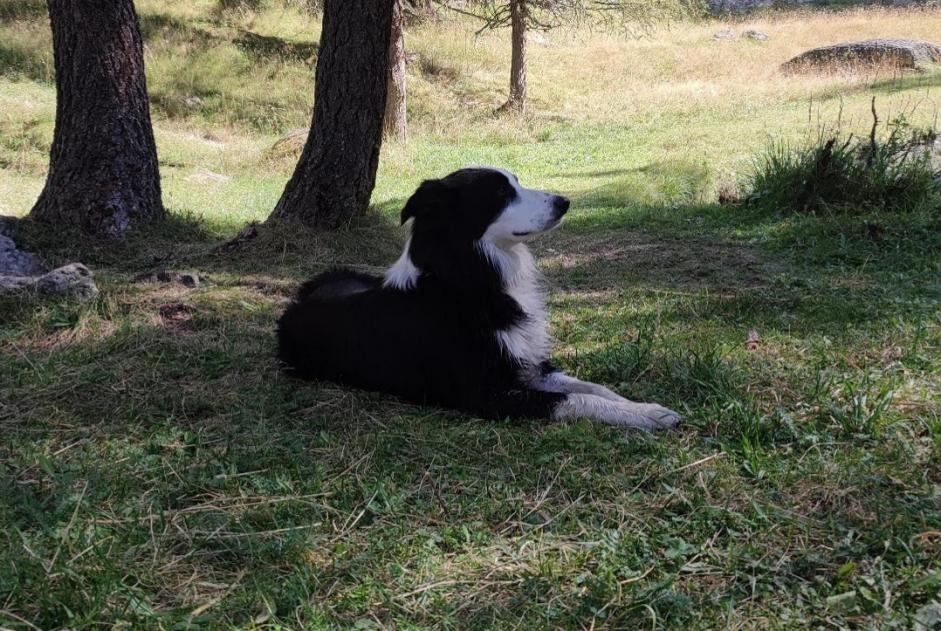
(403, 274)
(528, 215)
(621, 414)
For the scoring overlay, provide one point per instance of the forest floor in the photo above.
(157, 471)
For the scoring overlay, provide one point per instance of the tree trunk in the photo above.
(517, 100)
(395, 123)
(103, 175)
(337, 169)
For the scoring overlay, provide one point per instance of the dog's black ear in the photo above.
(431, 195)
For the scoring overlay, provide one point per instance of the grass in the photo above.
(887, 172)
(156, 471)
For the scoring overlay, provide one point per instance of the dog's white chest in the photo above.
(528, 342)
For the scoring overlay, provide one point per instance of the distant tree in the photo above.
(395, 121)
(103, 175)
(337, 168)
(519, 12)
(522, 16)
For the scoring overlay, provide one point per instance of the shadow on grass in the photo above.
(265, 47)
(169, 29)
(31, 64)
(369, 242)
(58, 244)
(283, 250)
(187, 461)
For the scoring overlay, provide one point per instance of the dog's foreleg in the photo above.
(523, 403)
(558, 381)
(621, 413)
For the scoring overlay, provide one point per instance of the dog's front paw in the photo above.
(659, 417)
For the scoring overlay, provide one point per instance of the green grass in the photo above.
(888, 172)
(157, 471)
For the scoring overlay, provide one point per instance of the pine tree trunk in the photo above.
(337, 169)
(395, 123)
(103, 175)
(518, 64)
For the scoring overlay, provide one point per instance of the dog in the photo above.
(459, 320)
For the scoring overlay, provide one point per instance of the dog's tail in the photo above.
(336, 283)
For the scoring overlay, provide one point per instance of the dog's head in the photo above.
(467, 228)
(482, 203)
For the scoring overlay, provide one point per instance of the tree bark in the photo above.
(103, 175)
(395, 123)
(518, 63)
(337, 168)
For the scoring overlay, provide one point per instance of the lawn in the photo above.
(157, 471)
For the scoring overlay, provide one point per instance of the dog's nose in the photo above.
(560, 205)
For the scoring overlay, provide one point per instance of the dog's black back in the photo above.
(426, 345)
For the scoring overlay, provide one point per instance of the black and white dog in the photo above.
(459, 321)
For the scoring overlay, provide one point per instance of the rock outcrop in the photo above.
(871, 53)
(73, 281)
(14, 261)
(21, 272)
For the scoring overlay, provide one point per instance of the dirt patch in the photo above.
(176, 316)
(596, 261)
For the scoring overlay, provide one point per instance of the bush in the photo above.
(893, 172)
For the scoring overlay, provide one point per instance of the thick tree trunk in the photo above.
(518, 63)
(103, 175)
(395, 123)
(337, 169)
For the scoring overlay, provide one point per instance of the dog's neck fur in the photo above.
(528, 341)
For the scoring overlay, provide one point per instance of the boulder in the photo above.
(871, 53)
(16, 262)
(759, 36)
(290, 143)
(73, 281)
(725, 35)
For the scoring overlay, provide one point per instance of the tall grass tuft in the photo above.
(846, 174)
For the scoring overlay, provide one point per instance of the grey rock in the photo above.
(14, 261)
(17, 262)
(291, 142)
(895, 53)
(73, 281)
(756, 35)
(725, 35)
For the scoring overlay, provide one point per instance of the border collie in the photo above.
(459, 321)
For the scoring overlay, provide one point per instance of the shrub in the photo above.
(892, 172)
